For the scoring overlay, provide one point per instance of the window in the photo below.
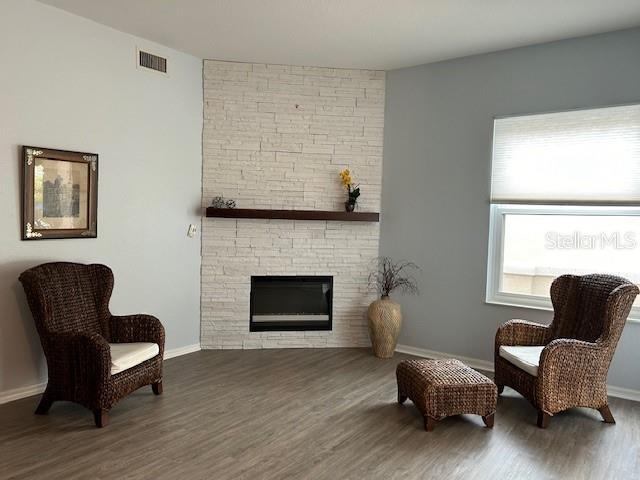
(565, 198)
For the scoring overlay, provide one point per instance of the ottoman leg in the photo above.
(429, 423)
(606, 414)
(488, 420)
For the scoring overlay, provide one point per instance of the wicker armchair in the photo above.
(589, 314)
(70, 306)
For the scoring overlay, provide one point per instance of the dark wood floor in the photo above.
(316, 414)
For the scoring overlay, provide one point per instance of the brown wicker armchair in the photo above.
(590, 312)
(70, 306)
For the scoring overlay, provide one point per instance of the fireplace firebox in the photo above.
(281, 303)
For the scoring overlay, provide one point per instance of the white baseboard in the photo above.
(625, 393)
(613, 391)
(423, 352)
(176, 352)
(23, 392)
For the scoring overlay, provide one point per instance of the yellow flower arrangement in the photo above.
(345, 175)
(353, 191)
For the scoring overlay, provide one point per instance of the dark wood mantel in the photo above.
(293, 214)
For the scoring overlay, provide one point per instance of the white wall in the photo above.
(277, 136)
(69, 83)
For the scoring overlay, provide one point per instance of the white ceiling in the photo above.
(380, 34)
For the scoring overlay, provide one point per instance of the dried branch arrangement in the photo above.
(389, 275)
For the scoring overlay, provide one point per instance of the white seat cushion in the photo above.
(525, 358)
(127, 355)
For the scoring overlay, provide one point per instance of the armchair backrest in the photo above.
(591, 307)
(69, 297)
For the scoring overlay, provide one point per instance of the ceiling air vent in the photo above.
(152, 62)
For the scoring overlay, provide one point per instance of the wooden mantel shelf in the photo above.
(293, 214)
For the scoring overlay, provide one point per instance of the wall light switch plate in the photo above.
(192, 230)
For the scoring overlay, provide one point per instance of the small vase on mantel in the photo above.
(385, 321)
(349, 206)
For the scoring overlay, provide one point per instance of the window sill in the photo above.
(634, 316)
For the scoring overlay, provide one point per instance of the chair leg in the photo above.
(543, 419)
(500, 389)
(401, 398)
(44, 405)
(157, 387)
(101, 417)
(489, 419)
(606, 414)
(429, 423)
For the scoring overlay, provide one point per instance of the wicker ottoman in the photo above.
(442, 388)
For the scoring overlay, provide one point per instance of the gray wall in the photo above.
(70, 83)
(437, 152)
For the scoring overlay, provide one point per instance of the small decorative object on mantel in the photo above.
(385, 315)
(59, 194)
(353, 191)
(220, 202)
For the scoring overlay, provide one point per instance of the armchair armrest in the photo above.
(521, 332)
(85, 356)
(137, 328)
(572, 373)
(568, 358)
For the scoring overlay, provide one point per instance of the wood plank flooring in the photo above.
(308, 414)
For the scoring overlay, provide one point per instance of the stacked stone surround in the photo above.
(276, 136)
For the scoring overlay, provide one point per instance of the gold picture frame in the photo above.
(60, 194)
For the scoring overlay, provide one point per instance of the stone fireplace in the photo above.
(276, 137)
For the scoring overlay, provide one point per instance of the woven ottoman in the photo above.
(442, 388)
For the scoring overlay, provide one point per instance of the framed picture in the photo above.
(60, 194)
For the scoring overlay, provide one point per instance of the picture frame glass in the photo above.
(60, 194)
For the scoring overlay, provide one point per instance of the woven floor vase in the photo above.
(385, 320)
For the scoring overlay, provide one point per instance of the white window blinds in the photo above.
(578, 157)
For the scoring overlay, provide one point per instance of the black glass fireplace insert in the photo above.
(284, 303)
